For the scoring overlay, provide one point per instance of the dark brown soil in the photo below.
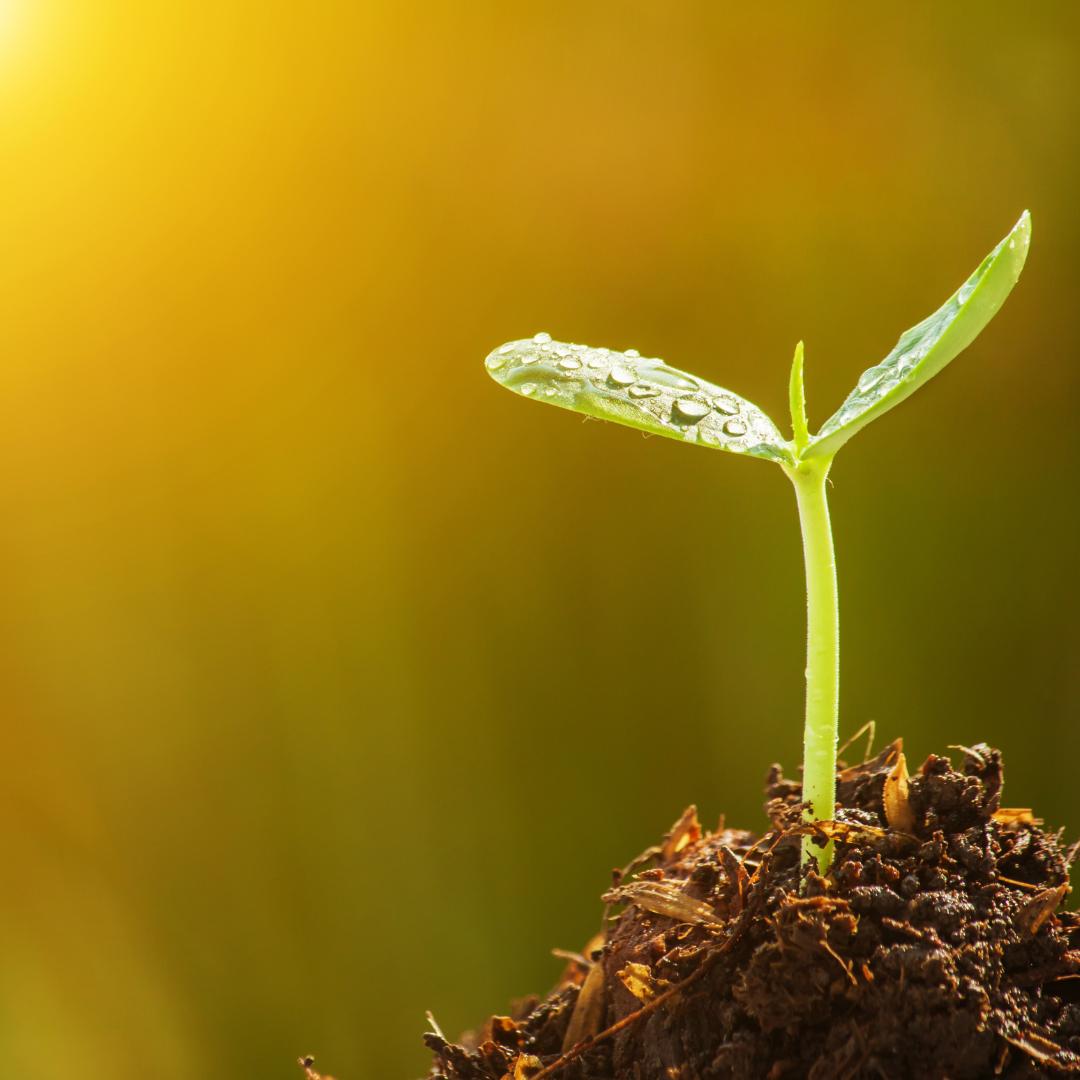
(934, 948)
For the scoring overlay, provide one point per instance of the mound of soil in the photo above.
(933, 948)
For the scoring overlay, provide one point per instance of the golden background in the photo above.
(335, 678)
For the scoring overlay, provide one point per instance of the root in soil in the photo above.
(934, 948)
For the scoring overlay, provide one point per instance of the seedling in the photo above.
(647, 394)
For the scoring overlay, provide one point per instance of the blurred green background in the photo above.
(334, 678)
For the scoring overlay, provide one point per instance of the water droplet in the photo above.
(542, 338)
(906, 361)
(870, 378)
(965, 291)
(550, 392)
(690, 410)
(725, 405)
(643, 390)
(495, 361)
(562, 351)
(734, 428)
(528, 389)
(633, 353)
(621, 376)
(666, 376)
(569, 364)
(530, 358)
(507, 348)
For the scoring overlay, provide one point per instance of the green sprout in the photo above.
(647, 394)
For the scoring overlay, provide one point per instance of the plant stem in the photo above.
(822, 650)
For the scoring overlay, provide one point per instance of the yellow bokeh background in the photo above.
(333, 677)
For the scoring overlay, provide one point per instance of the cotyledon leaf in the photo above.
(925, 349)
(636, 391)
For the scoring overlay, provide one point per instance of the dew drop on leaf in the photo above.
(569, 364)
(870, 378)
(543, 338)
(734, 428)
(621, 376)
(689, 410)
(725, 405)
(677, 380)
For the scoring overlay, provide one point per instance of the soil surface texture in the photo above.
(934, 948)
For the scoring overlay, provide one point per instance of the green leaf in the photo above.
(925, 349)
(797, 401)
(638, 392)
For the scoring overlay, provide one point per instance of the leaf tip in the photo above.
(1021, 232)
(797, 359)
(1023, 226)
(496, 360)
(1018, 242)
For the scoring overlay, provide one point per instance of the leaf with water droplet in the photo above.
(636, 391)
(926, 348)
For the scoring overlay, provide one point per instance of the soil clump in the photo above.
(934, 948)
